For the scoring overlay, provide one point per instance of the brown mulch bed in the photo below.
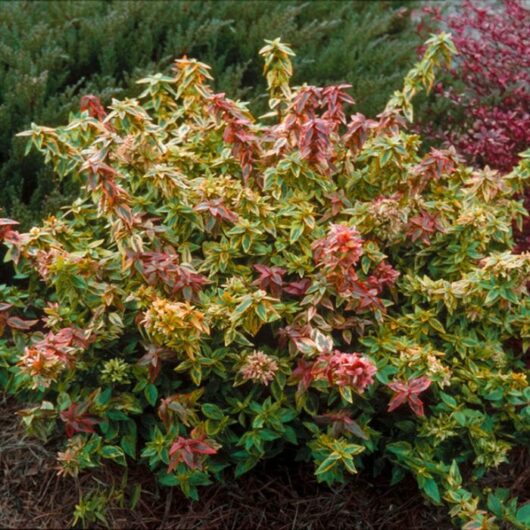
(279, 495)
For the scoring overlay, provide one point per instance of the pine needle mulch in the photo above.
(278, 495)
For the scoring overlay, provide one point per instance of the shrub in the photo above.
(483, 107)
(52, 53)
(225, 288)
(486, 117)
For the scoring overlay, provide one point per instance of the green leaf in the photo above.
(398, 474)
(105, 396)
(212, 411)
(245, 466)
(296, 232)
(128, 444)
(243, 306)
(523, 514)
(430, 487)
(246, 243)
(384, 375)
(268, 435)
(349, 465)
(386, 157)
(115, 319)
(117, 415)
(63, 401)
(328, 463)
(169, 480)
(495, 395)
(491, 297)
(114, 453)
(495, 505)
(437, 325)
(290, 435)
(346, 393)
(400, 449)
(448, 400)
(196, 374)
(151, 394)
(454, 474)
(261, 311)
(460, 417)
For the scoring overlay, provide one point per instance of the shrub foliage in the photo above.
(227, 287)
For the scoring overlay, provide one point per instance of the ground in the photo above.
(279, 495)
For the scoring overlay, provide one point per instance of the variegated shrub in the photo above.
(227, 286)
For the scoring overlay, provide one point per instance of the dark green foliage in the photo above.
(51, 53)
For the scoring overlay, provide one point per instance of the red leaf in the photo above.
(416, 405)
(397, 401)
(408, 392)
(204, 449)
(76, 420)
(419, 385)
(297, 288)
(19, 323)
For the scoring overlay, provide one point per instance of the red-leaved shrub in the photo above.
(488, 119)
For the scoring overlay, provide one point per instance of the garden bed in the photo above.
(279, 495)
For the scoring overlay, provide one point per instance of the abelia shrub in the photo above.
(228, 287)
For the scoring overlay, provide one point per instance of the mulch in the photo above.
(278, 495)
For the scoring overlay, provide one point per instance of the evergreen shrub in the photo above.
(228, 287)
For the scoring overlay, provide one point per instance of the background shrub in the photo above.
(483, 107)
(52, 53)
(227, 287)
